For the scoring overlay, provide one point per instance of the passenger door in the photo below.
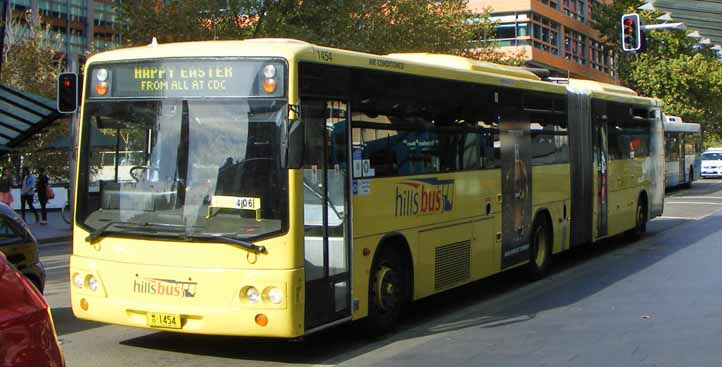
(602, 175)
(326, 208)
(516, 191)
(683, 171)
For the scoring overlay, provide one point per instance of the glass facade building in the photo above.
(81, 25)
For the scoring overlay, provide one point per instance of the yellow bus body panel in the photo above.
(551, 191)
(378, 214)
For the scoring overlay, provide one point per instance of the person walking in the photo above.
(42, 188)
(6, 187)
(27, 193)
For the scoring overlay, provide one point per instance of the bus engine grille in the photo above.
(453, 264)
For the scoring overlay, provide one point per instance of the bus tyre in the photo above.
(540, 249)
(387, 292)
(640, 223)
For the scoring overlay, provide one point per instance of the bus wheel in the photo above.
(640, 225)
(540, 249)
(387, 292)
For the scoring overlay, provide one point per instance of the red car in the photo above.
(27, 333)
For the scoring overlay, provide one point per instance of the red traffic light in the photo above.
(632, 36)
(67, 93)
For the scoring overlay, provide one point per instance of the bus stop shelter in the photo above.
(21, 116)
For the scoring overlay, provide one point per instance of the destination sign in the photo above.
(185, 78)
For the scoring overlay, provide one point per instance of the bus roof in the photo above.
(682, 127)
(437, 65)
(610, 92)
(673, 119)
(425, 64)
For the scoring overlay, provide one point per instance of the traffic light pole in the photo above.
(4, 20)
(73, 67)
(664, 27)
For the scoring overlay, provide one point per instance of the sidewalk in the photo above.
(55, 231)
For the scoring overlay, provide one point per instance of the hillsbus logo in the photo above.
(424, 196)
(165, 287)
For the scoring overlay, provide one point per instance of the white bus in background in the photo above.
(682, 148)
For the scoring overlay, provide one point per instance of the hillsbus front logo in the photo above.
(424, 196)
(165, 287)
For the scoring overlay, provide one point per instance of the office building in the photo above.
(553, 34)
(82, 25)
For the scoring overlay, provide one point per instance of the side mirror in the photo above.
(296, 142)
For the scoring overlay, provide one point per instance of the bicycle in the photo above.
(65, 212)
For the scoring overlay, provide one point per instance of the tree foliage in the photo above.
(687, 77)
(374, 26)
(29, 64)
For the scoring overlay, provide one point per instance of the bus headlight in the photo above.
(274, 295)
(102, 75)
(92, 283)
(269, 71)
(252, 295)
(78, 280)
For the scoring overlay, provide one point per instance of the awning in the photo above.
(22, 115)
(704, 16)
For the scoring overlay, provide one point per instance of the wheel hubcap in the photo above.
(386, 288)
(541, 247)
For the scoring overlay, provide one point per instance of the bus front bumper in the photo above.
(203, 300)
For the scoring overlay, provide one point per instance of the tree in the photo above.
(375, 26)
(687, 77)
(30, 65)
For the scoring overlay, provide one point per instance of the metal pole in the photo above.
(73, 67)
(665, 26)
(5, 9)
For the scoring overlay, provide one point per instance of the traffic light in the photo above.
(67, 92)
(632, 35)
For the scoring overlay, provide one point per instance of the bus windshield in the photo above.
(712, 156)
(181, 167)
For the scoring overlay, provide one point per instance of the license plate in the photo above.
(165, 320)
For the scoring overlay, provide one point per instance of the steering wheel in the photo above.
(135, 174)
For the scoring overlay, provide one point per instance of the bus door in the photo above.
(326, 209)
(601, 153)
(516, 191)
(682, 158)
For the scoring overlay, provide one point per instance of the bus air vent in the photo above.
(453, 264)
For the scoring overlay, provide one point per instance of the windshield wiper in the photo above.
(102, 231)
(97, 233)
(225, 239)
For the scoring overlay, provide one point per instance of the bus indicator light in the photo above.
(261, 319)
(632, 35)
(101, 88)
(269, 86)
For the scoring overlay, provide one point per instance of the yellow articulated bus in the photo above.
(278, 187)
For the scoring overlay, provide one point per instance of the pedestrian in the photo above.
(27, 193)
(6, 187)
(43, 190)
